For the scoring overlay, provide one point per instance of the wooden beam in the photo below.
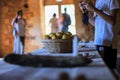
(54, 2)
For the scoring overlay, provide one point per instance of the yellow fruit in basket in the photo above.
(53, 37)
(65, 36)
(51, 34)
(68, 33)
(59, 35)
(47, 37)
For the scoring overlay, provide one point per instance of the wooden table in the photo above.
(97, 70)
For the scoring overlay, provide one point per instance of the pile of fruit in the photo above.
(59, 35)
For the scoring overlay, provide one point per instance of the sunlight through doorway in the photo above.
(51, 9)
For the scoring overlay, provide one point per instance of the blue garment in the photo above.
(66, 22)
(65, 28)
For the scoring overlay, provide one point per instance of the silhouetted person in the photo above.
(53, 24)
(66, 21)
(19, 24)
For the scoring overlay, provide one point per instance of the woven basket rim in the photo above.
(55, 40)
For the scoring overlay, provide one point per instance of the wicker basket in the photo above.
(58, 45)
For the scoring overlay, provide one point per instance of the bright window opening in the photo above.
(71, 12)
(51, 9)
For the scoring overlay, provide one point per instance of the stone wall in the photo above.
(84, 32)
(31, 10)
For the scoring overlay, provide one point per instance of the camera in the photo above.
(83, 7)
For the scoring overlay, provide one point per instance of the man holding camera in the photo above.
(104, 21)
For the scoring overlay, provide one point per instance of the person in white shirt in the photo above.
(19, 24)
(53, 24)
(104, 20)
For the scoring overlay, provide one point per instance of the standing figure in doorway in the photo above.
(19, 24)
(66, 21)
(53, 24)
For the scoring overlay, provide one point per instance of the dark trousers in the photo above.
(22, 39)
(109, 55)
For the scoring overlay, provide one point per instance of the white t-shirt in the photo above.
(105, 33)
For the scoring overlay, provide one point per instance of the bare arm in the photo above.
(109, 18)
(13, 21)
(91, 20)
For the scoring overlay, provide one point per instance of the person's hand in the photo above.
(82, 7)
(89, 7)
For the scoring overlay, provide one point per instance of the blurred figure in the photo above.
(19, 24)
(66, 21)
(60, 23)
(104, 20)
(53, 24)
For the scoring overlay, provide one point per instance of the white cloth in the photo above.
(105, 33)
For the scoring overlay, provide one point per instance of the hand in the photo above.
(89, 7)
(82, 6)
